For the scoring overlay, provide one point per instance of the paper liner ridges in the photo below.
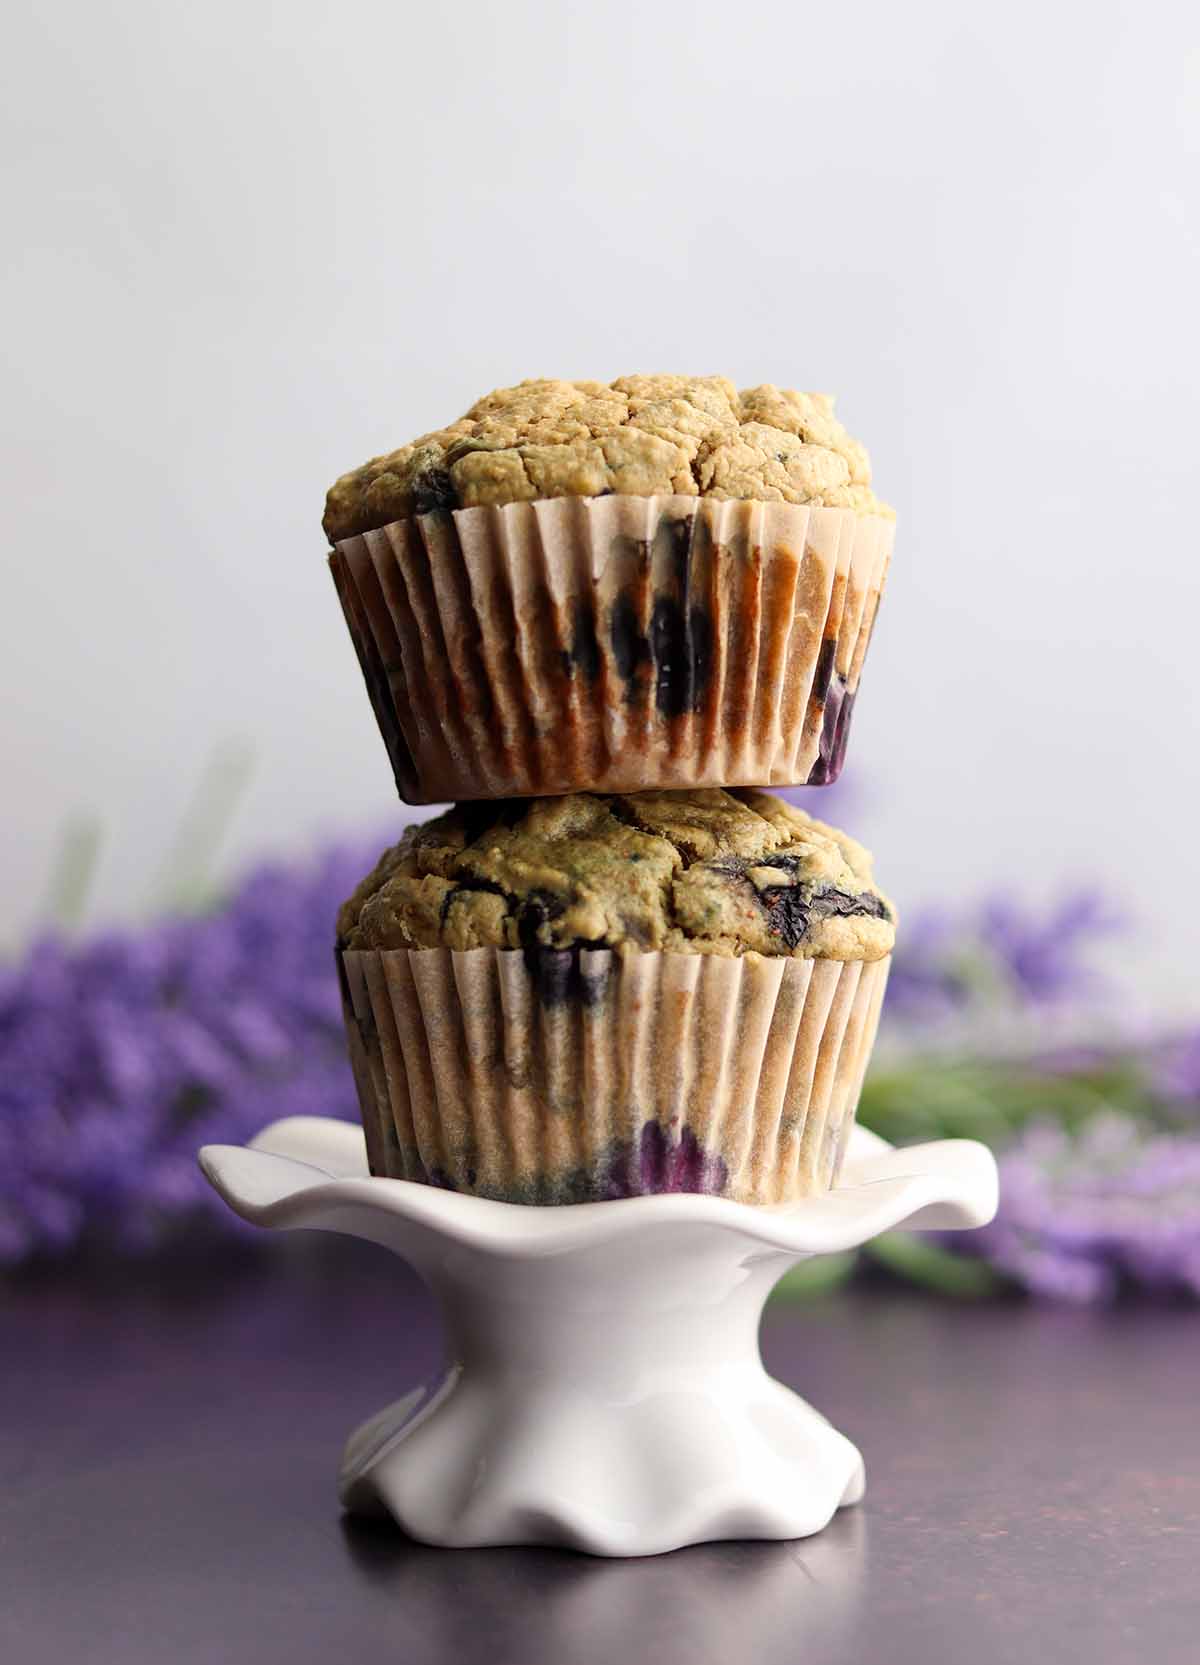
(613, 643)
(653, 1072)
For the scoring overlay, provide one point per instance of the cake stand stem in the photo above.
(597, 1388)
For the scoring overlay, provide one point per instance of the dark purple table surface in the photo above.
(168, 1446)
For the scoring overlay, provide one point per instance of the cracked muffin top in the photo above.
(641, 435)
(703, 872)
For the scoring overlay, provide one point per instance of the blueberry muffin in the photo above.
(596, 996)
(658, 582)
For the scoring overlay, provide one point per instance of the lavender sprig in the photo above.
(120, 1056)
(950, 965)
(1082, 1216)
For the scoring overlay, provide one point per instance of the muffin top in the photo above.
(689, 435)
(703, 872)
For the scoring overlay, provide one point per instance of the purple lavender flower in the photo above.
(1081, 1217)
(119, 1056)
(929, 979)
(949, 965)
(1045, 957)
(1176, 1069)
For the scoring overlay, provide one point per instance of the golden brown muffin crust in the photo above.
(640, 435)
(708, 872)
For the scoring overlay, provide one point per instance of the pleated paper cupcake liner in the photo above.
(613, 643)
(567, 1076)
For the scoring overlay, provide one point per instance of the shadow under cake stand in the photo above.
(604, 1388)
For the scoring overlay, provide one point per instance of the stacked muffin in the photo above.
(599, 617)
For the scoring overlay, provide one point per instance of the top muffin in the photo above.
(640, 435)
(701, 872)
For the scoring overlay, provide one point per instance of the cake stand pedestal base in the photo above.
(604, 1388)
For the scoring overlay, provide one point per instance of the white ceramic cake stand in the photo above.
(604, 1388)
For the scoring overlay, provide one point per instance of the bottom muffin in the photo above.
(582, 998)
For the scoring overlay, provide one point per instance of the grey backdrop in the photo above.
(252, 244)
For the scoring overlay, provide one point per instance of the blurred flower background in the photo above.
(122, 1051)
(219, 317)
